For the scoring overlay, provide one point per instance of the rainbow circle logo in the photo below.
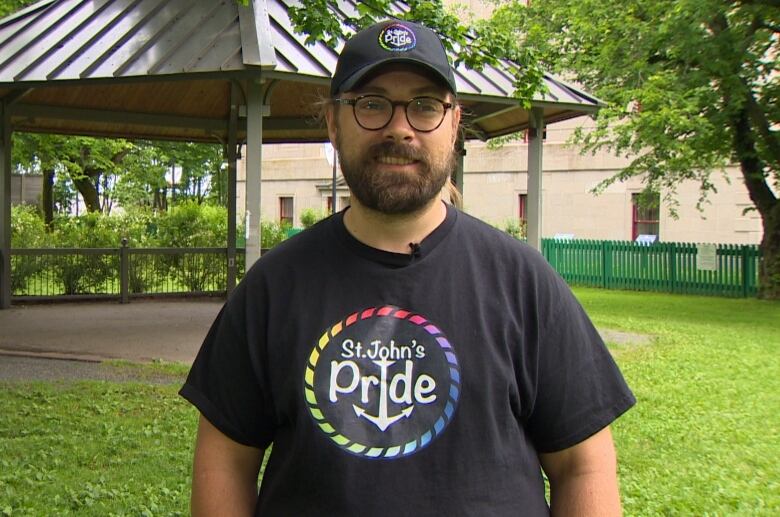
(397, 38)
(382, 383)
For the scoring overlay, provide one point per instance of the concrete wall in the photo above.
(26, 189)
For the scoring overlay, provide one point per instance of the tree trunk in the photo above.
(161, 199)
(765, 201)
(769, 267)
(86, 187)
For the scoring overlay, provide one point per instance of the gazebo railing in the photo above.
(119, 273)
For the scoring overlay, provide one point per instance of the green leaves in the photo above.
(487, 42)
(106, 171)
(314, 18)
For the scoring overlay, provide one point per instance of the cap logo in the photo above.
(397, 38)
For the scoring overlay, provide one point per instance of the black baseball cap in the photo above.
(391, 41)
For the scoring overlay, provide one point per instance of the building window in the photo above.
(343, 203)
(645, 215)
(522, 204)
(527, 137)
(286, 210)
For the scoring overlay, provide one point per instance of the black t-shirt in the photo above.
(394, 384)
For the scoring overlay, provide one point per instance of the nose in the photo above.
(398, 128)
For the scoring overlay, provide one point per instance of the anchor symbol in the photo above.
(383, 420)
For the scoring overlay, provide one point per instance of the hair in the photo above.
(455, 197)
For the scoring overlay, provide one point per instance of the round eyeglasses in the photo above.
(375, 112)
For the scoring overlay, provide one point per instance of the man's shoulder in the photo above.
(485, 237)
(296, 250)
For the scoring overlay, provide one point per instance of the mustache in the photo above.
(399, 150)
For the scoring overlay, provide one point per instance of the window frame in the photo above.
(283, 216)
(645, 216)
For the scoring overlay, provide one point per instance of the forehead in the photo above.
(402, 80)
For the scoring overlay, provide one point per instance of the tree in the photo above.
(199, 167)
(11, 6)
(37, 154)
(144, 181)
(91, 164)
(690, 86)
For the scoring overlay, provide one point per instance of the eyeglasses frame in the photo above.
(393, 104)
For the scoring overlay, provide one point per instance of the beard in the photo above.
(393, 192)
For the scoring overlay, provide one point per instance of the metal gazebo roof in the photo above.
(162, 69)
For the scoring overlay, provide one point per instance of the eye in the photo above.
(426, 106)
(372, 104)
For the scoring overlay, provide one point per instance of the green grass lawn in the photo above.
(704, 437)
(94, 448)
(702, 440)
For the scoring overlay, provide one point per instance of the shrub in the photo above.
(86, 274)
(92, 230)
(139, 226)
(272, 233)
(310, 216)
(27, 231)
(191, 225)
(515, 228)
(27, 228)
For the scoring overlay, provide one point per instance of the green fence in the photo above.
(667, 266)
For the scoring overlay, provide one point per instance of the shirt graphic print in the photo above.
(382, 383)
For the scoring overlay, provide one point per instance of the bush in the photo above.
(27, 228)
(92, 230)
(515, 228)
(272, 233)
(86, 274)
(310, 216)
(191, 225)
(27, 231)
(188, 225)
(139, 227)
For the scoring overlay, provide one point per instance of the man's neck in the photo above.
(396, 231)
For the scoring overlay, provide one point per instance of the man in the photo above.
(402, 357)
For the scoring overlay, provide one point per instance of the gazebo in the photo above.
(210, 71)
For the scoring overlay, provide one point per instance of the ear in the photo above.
(455, 121)
(330, 120)
(455, 116)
